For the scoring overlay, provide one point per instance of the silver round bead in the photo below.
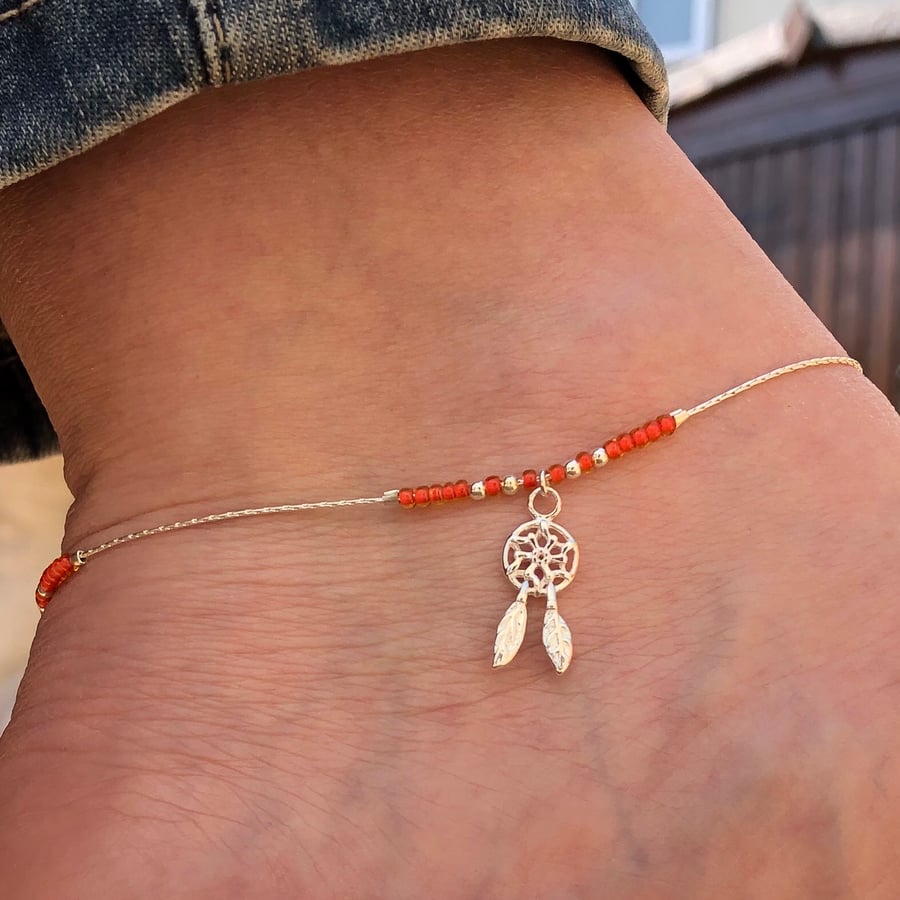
(573, 468)
(600, 457)
(510, 484)
(477, 491)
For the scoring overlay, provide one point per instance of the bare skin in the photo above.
(438, 266)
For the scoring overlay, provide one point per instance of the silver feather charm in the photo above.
(511, 629)
(539, 557)
(557, 636)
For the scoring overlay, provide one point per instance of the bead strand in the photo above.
(640, 437)
(582, 462)
(437, 493)
(61, 569)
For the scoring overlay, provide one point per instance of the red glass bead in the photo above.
(447, 492)
(422, 496)
(529, 478)
(585, 460)
(557, 473)
(407, 498)
(56, 573)
(493, 485)
(639, 436)
(654, 432)
(613, 450)
(436, 493)
(51, 578)
(626, 442)
(461, 489)
(667, 424)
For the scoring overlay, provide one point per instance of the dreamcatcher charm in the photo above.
(540, 558)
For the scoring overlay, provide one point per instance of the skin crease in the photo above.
(441, 265)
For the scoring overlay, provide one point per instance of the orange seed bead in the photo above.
(667, 424)
(585, 460)
(493, 485)
(461, 489)
(557, 473)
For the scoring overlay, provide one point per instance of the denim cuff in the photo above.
(75, 72)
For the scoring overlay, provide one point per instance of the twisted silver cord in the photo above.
(762, 379)
(231, 514)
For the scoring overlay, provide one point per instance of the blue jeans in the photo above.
(75, 72)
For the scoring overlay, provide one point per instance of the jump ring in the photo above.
(557, 503)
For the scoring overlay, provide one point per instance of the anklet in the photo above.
(540, 558)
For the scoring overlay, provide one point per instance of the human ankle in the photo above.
(451, 341)
(342, 660)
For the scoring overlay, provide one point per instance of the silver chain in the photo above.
(387, 497)
(762, 379)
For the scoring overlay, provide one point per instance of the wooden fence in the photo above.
(809, 161)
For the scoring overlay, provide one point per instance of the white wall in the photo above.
(734, 17)
(33, 503)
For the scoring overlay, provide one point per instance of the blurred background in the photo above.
(792, 113)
